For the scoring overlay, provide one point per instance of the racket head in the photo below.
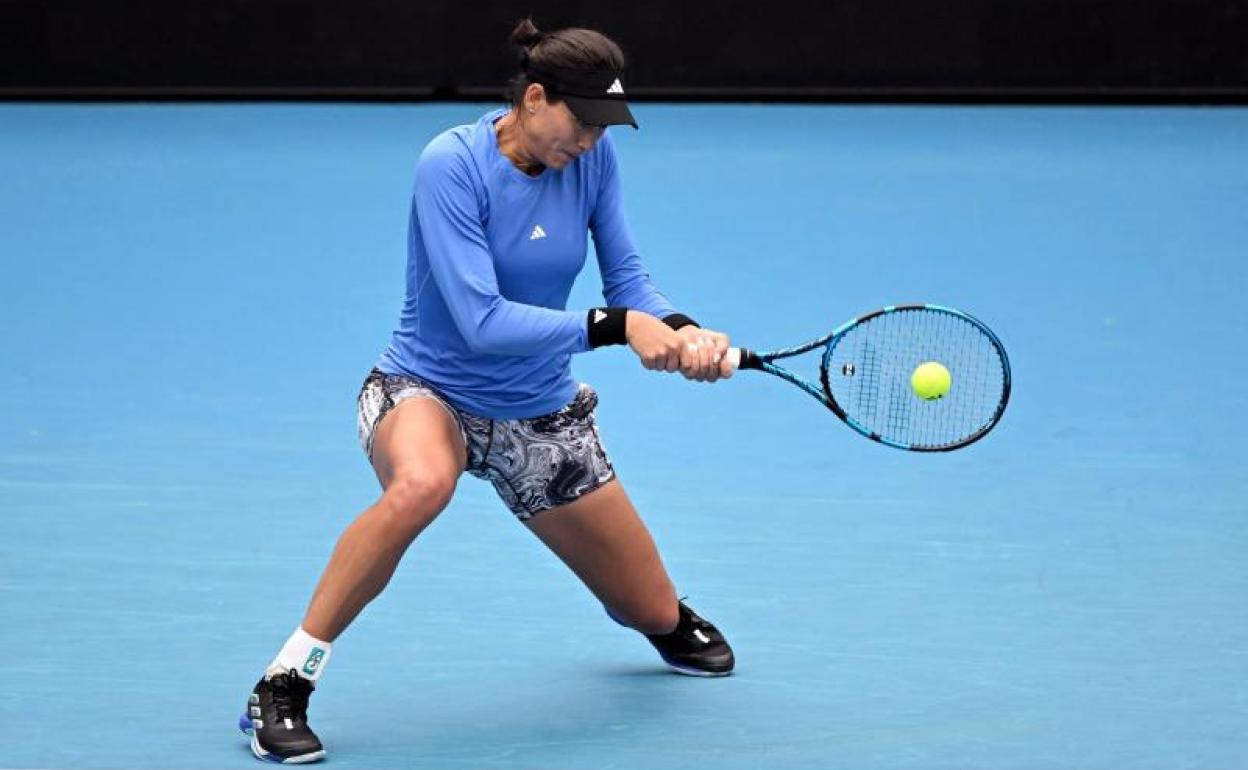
(867, 364)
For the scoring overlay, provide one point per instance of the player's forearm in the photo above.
(632, 288)
(511, 328)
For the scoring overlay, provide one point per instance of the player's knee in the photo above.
(413, 499)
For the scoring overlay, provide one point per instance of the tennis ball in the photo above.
(930, 381)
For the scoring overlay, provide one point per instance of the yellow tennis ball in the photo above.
(930, 381)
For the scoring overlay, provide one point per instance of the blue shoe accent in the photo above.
(259, 752)
(244, 724)
(267, 757)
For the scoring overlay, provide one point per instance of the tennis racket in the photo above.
(864, 376)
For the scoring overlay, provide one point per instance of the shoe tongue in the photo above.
(289, 680)
(690, 621)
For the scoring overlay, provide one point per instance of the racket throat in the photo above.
(749, 359)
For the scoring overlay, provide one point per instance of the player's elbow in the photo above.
(477, 339)
(481, 332)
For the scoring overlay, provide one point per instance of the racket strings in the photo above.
(869, 371)
(869, 381)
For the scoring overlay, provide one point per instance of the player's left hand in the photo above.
(704, 356)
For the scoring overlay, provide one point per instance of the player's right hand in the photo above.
(703, 358)
(653, 341)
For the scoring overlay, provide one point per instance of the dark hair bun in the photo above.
(526, 34)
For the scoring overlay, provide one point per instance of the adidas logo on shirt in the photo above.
(616, 88)
(538, 232)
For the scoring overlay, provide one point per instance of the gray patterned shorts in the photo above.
(535, 464)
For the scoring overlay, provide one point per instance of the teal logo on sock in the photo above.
(314, 661)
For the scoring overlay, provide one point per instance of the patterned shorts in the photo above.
(535, 464)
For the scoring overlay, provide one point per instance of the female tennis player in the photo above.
(476, 377)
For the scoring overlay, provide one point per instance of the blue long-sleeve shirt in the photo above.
(491, 257)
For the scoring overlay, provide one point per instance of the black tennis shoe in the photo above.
(277, 720)
(695, 647)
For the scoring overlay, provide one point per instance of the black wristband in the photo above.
(678, 320)
(607, 326)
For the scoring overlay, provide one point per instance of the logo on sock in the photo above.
(314, 661)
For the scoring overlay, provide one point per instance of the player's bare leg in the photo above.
(418, 455)
(604, 541)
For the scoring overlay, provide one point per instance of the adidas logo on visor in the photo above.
(616, 88)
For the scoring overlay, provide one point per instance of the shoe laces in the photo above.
(690, 622)
(290, 695)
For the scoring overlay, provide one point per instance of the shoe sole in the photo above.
(695, 671)
(244, 724)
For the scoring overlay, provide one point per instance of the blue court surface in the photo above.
(192, 294)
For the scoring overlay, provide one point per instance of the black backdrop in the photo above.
(1016, 50)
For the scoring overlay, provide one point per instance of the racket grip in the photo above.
(743, 358)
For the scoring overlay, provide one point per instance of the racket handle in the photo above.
(743, 358)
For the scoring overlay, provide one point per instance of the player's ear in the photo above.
(534, 97)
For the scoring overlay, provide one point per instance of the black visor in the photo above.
(596, 98)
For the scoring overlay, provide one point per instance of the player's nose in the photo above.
(585, 139)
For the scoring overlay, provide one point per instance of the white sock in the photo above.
(304, 653)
